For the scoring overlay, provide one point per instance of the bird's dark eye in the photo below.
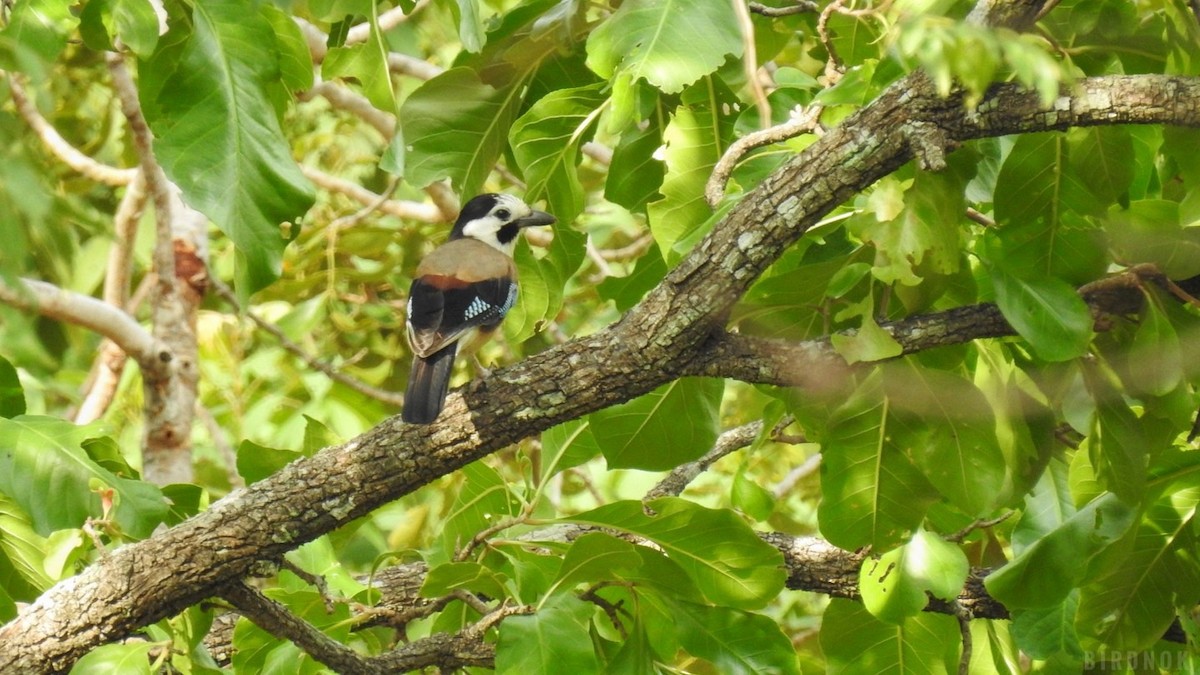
(503, 214)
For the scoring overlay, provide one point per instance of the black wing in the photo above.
(439, 312)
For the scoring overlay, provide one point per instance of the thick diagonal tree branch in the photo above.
(654, 343)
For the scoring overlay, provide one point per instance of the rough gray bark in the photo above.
(654, 343)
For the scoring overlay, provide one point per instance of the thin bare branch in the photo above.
(342, 98)
(59, 146)
(426, 213)
(82, 310)
(274, 618)
(803, 120)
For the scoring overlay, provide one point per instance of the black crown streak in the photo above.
(478, 207)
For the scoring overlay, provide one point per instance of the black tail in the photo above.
(427, 386)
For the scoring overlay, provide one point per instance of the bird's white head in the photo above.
(496, 220)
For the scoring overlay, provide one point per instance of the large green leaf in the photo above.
(457, 127)
(1045, 311)
(634, 175)
(1153, 231)
(1132, 604)
(483, 499)
(24, 548)
(131, 658)
(545, 141)
(595, 557)
(1103, 159)
(728, 562)
(367, 63)
(695, 139)
(1057, 561)
(217, 135)
(553, 640)
(1037, 183)
(926, 233)
(669, 43)
(733, 641)
(894, 585)
(950, 432)
(676, 423)
(567, 445)
(855, 642)
(1044, 632)
(42, 457)
(871, 493)
(543, 281)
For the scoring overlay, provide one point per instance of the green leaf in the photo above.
(950, 432)
(627, 291)
(12, 396)
(733, 641)
(1075, 254)
(634, 175)
(37, 31)
(728, 562)
(24, 548)
(669, 43)
(553, 640)
(1120, 448)
(869, 342)
(1037, 183)
(1056, 562)
(1044, 632)
(1047, 312)
(218, 138)
(457, 126)
(1151, 231)
(255, 462)
(676, 423)
(545, 142)
(855, 642)
(483, 500)
(470, 26)
(317, 436)
(749, 497)
(42, 456)
(695, 139)
(1155, 358)
(595, 557)
(894, 585)
(1103, 159)
(543, 282)
(367, 63)
(926, 233)
(130, 658)
(295, 60)
(871, 493)
(468, 576)
(567, 445)
(1132, 604)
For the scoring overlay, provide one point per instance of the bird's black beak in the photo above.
(536, 219)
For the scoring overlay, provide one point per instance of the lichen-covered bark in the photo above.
(654, 343)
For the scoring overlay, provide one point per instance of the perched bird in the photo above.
(461, 291)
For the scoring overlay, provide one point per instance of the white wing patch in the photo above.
(478, 306)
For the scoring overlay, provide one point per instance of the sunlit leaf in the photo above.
(856, 642)
(42, 456)
(727, 561)
(671, 425)
(218, 138)
(669, 43)
(554, 639)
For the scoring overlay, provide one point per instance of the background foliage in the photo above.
(615, 115)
